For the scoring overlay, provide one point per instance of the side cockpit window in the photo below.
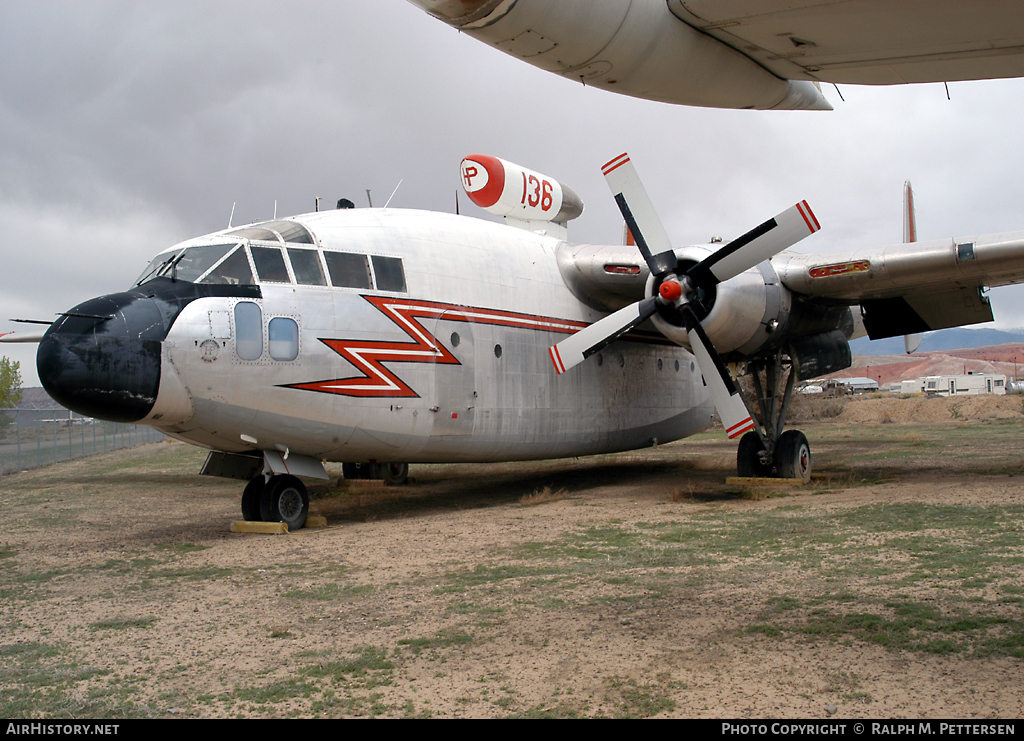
(389, 273)
(306, 266)
(348, 270)
(270, 264)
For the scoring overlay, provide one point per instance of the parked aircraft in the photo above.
(748, 53)
(380, 337)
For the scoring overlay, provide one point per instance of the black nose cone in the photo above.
(102, 358)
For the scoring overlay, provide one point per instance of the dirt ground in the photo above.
(634, 585)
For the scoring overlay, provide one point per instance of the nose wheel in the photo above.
(281, 499)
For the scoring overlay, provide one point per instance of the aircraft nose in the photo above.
(102, 358)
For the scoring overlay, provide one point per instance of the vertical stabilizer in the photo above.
(910, 341)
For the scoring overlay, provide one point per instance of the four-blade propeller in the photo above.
(757, 245)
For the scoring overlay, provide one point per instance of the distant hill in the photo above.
(939, 341)
(36, 398)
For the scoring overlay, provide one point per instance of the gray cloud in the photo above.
(127, 126)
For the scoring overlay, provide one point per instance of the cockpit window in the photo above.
(255, 232)
(273, 231)
(233, 270)
(389, 273)
(195, 261)
(157, 264)
(348, 270)
(270, 264)
(306, 266)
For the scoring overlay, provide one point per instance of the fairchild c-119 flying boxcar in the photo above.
(388, 336)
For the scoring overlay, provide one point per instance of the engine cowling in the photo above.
(741, 316)
(754, 313)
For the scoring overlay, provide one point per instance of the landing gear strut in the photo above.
(279, 499)
(768, 448)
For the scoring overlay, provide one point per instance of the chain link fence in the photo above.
(30, 438)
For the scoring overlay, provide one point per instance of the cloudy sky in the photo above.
(128, 126)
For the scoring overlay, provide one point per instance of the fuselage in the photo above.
(369, 335)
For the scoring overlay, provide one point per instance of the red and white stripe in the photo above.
(740, 427)
(556, 359)
(809, 218)
(614, 164)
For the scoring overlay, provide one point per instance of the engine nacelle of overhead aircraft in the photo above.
(754, 312)
(506, 189)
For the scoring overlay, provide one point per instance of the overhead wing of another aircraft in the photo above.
(748, 53)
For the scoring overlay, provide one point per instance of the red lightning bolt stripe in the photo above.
(368, 355)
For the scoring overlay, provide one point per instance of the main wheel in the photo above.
(286, 500)
(393, 474)
(793, 456)
(251, 497)
(748, 457)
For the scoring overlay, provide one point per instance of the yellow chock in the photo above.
(762, 481)
(269, 528)
(316, 521)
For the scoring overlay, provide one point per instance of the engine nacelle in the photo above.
(741, 315)
(754, 313)
(506, 189)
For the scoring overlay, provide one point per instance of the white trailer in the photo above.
(960, 385)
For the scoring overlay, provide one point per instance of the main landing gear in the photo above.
(277, 499)
(768, 449)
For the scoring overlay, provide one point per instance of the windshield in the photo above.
(210, 263)
(156, 265)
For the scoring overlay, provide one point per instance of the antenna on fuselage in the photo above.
(275, 208)
(368, 199)
(394, 191)
(232, 214)
(317, 204)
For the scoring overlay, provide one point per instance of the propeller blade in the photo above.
(724, 393)
(576, 348)
(22, 336)
(640, 215)
(756, 246)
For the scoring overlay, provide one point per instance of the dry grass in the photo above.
(542, 496)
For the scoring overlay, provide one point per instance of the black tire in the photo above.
(393, 474)
(748, 458)
(286, 500)
(251, 497)
(793, 456)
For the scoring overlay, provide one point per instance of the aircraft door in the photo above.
(455, 385)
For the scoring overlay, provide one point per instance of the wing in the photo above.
(748, 53)
(913, 287)
(869, 42)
